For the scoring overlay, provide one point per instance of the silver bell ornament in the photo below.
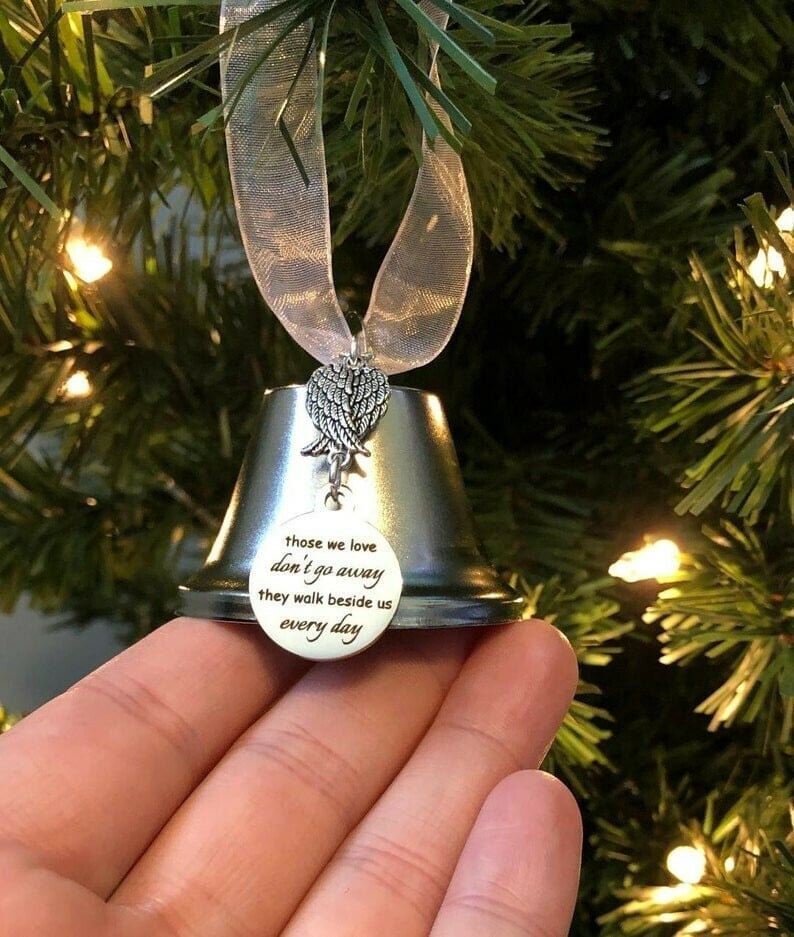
(409, 488)
(349, 515)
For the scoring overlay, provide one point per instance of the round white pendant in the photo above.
(325, 585)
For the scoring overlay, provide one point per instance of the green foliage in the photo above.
(748, 886)
(590, 622)
(114, 485)
(108, 67)
(83, 133)
(533, 136)
(7, 719)
(737, 403)
(533, 523)
(735, 605)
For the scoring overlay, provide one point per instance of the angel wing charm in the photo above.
(345, 402)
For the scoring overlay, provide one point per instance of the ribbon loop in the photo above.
(270, 77)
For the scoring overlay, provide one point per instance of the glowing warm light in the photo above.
(687, 864)
(695, 927)
(729, 864)
(673, 894)
(76, 386)
(88, 261)
(768, 263)
(654, 561)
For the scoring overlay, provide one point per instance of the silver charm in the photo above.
(345, 401)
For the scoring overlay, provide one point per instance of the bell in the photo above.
(409, 488)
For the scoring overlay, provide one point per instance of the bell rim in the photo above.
(413, 611)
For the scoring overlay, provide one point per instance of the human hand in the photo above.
(205, 784)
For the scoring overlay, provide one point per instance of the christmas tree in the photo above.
(620, 385)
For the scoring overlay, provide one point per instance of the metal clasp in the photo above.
(359, 348)
(338, 461)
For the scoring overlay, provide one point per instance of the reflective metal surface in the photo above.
(410, 489)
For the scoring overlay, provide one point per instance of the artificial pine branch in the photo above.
(683, 90)
(7, 719)
(117, 481)
(748, 885)
(738, 402)
(536, 526)
(735, 605)
(531, 138)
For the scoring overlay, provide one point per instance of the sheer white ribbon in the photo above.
(285, 225)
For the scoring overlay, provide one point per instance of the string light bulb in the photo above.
(687, 864)
(695, 927)
(77, 386)
(656, 560)
(768, 263)
(88, 261)
(672, 894)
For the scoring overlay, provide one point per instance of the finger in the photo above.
(519, 870)
(277, 807)
(36, 902)
(91, 777)
(391, 874)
